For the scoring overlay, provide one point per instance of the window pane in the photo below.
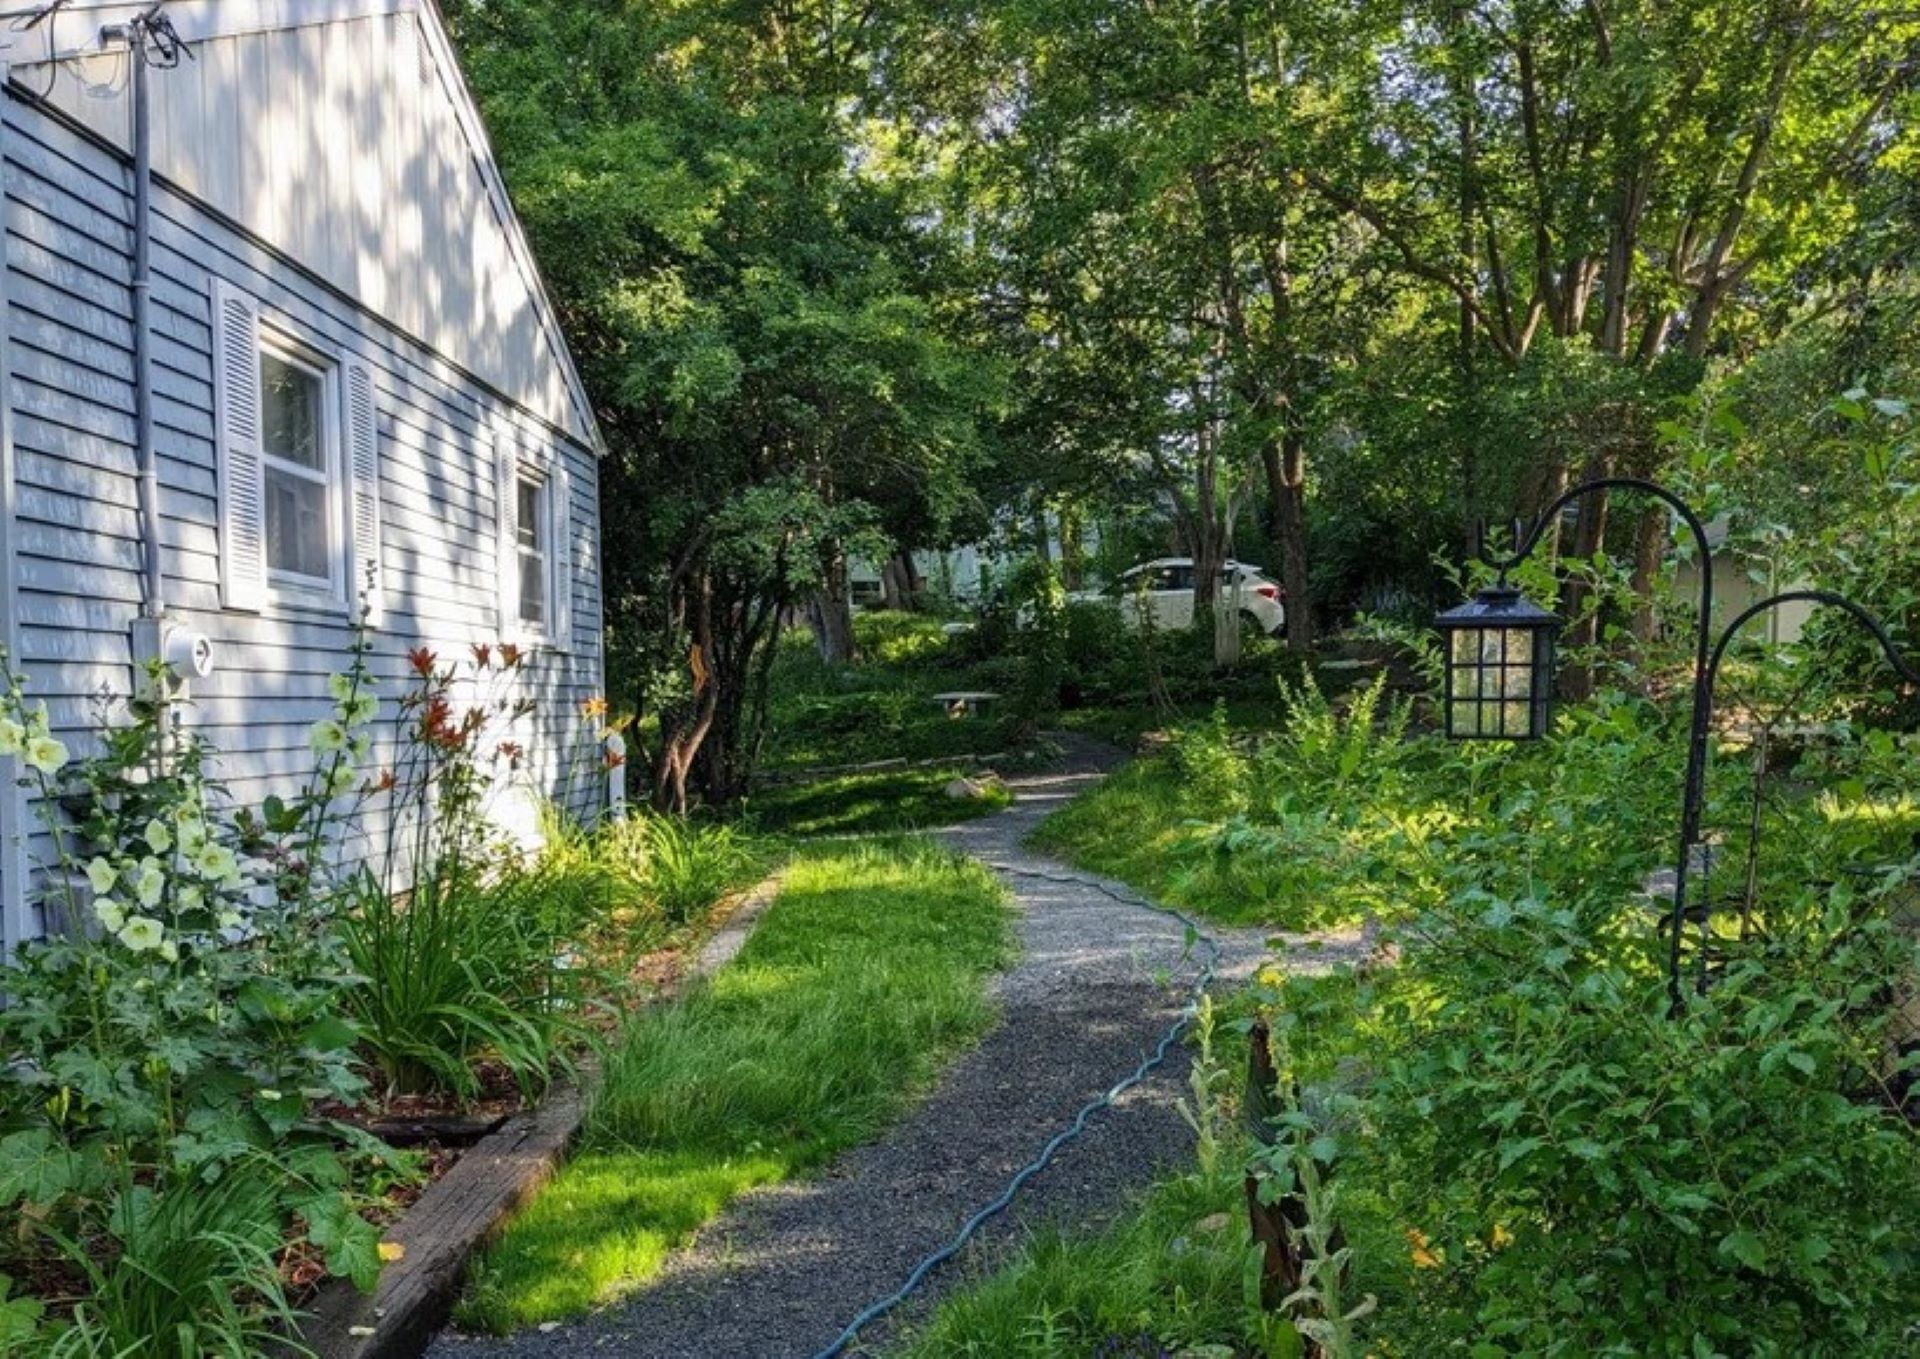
(290, 413)
(533, 588)
(532, 499)
(297, 535)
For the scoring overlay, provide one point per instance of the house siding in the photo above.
(76, 530)
(347, 146)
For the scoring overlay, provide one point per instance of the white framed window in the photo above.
(304, 528)
(533, 550)
(534, 508)
(297, 436)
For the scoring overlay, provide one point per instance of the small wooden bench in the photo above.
(966, 703)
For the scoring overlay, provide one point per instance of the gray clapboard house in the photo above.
(278, 336)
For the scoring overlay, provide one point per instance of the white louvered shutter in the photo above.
(506, 499)
(236, 424)
(363, 467)
(560, 559)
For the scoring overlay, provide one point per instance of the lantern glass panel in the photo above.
(1499, 650)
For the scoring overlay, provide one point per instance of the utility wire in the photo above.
(1174, 1033)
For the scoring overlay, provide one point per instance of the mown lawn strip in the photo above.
(868, 971)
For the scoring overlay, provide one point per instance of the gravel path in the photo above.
(1097, 983)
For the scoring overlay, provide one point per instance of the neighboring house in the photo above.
(351, 373)
(1743, 576)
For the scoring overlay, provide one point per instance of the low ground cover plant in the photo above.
(867, 972)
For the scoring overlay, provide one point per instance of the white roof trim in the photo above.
(75, 32)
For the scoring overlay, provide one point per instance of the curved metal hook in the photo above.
(1860, 614)
(1573, 493)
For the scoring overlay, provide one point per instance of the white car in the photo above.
(1160, 594)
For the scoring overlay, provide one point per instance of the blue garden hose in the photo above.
(1173, 1035)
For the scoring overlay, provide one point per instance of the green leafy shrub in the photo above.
(1215, 773)
(1548, 1160)
(193, 1272)
(906, 640)
(472, 954)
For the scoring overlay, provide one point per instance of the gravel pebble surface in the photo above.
(1096, 984)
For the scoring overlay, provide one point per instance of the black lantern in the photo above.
(1499, 651)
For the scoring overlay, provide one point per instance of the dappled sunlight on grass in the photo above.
(888, 800)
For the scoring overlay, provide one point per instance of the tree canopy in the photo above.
(1343, 281)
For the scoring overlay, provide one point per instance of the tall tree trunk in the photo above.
(1623, 245)
(1649, 549)
(1209, 536)
(681, 739)
(897, 582)
(831, 613)
(1545, 483)
(1285, 463)
(1716, 278)
(1073, 554)
(1589, 538)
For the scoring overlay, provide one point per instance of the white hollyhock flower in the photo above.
(360, 709)
(46, 754)
(150, 883)
(110, 913)
(327, 738)
(142, 934)
(101, 875)
(191, 898)
(158, 837)
(216, 862)
(13, 736)
(169, 950)
(341, 687)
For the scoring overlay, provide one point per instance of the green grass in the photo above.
(1164, 1279)
(1140, 826)
(880, 800)
(1124, 723)
(867, 973)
